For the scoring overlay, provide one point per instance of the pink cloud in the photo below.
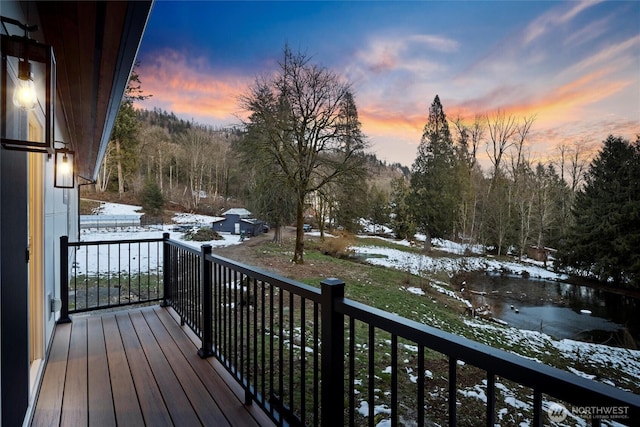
(189, 87)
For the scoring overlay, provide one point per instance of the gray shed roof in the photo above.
(238, 211)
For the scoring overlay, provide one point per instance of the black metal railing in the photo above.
(309, 356)
(182, 272)
(108, 274)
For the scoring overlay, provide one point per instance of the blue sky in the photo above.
(574, 65)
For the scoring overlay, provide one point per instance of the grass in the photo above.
(87, 207)
(386, 289)
(91, 292)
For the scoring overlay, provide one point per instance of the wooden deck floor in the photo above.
(136, 368)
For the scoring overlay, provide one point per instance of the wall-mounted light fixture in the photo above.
(26, 57)
(64, 168)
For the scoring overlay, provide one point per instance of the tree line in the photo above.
(301, 156)
(588, 212)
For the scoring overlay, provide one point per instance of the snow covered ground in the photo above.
(145, 257)
(142, 233)
(416, 263)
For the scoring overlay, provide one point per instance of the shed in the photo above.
(540, 253)
(238, 221)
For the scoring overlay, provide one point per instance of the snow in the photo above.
(106, 208)
(189, 218)
(415, 263)
(456, 248)
(145, 256)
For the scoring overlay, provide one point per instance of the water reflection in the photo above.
(558, 309)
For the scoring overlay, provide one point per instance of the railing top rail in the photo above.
(298, 288)
(175, 243)
(549, 380)
(114, 242)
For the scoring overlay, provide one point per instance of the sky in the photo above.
(574, 66)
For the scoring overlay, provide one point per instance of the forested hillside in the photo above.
(195, 167)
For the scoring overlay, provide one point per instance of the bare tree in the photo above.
(297, 123)
(578, 165)
(155, 148)
(501, 128)
(196, 148)
(522, 131)
(469, 138)
(104, 174)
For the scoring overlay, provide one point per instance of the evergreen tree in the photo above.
(434, 196)
(272, 201)
(124, 133)
(378, 207)
(351, 189)
(401, 219)
(152, 199)
(605, 235)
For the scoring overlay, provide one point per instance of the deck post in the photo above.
(332, 355)
(207, 306)
(64, 280)
(166, 270)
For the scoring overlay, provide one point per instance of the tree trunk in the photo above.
(277, 234)
(427, 242)
(298, 253)
(119, 167)
(160, 164)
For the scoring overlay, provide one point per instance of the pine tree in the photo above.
(434, 196)
(124, 133)
(401, 219)
(351, 189)
(605, 237)
(378, 207)
(152, 199)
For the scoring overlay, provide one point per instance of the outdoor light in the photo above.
(64, 176)
(26, 67)
(24, 97)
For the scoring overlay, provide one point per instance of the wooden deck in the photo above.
(136, 368)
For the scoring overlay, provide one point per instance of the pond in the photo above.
(558, 309)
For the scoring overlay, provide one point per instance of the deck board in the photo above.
(154, 410)
(134, 368)
(100, 398)
(75, 405)
(214, 382)
(125, 400)
(210, 415)
(49, 404)
(175, 398)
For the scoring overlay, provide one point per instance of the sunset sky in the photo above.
(574, 65)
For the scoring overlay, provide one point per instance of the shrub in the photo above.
(152, 199)
(338, 247)
(203, 234)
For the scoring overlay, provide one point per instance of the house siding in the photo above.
(59, 217)
(14, 333)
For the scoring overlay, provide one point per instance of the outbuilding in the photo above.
(238, 221)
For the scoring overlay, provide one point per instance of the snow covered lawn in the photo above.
(416, 263)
